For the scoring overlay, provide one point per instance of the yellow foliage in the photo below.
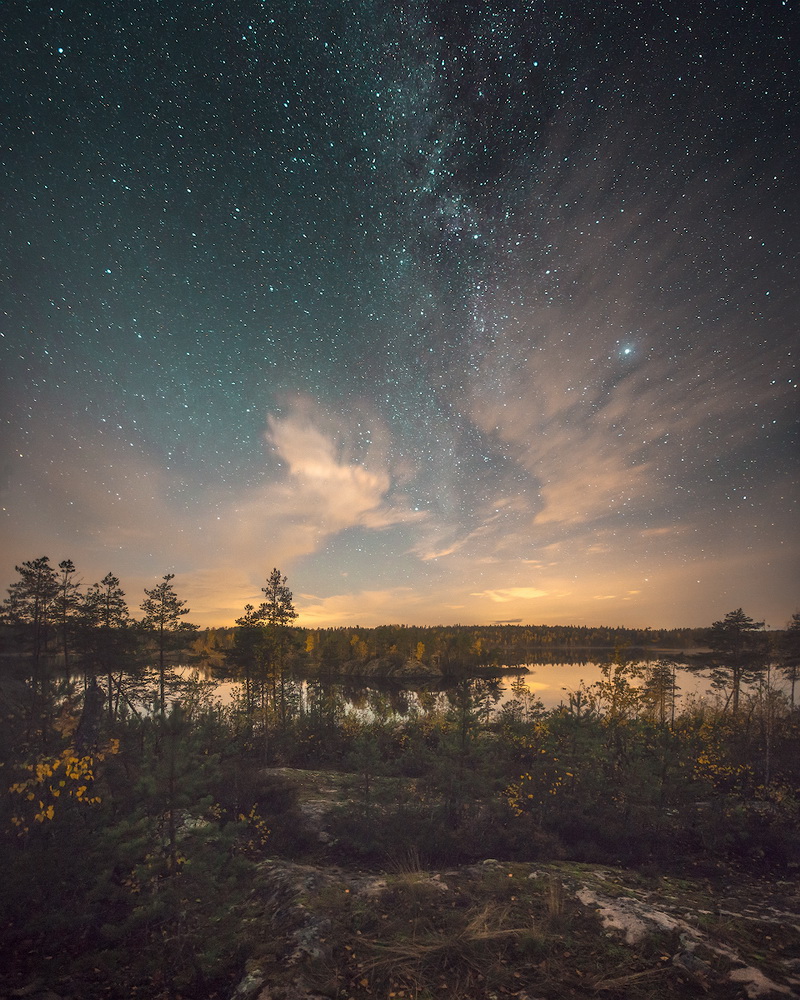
(259, 831)
(74, 776)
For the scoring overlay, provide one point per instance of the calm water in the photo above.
(550, 683)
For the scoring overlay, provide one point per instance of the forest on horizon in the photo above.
(56, 601)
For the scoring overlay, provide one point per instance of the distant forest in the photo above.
(50, 611)
(453, 648)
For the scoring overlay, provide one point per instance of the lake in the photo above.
(550, 683)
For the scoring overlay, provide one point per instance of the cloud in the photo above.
(363, 607)
(323, 482)
(339, 491)
(92, 495)
(577, 387)
(574, 445)
(504, 595)
(500, 527)
(426, 555)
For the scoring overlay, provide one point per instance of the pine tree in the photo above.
(246, 651)
(30, 603)
(740, 648)
(106, 637)
(789, 650)
(163, 611)
(65, 606)
(277, 608)
(277, 612)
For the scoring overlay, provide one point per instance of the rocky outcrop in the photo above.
(392, 668)
(636, 918)
(334, 927)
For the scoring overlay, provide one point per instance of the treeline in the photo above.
(498, 644)
(406, 637)
(456, 648)
(49, 612)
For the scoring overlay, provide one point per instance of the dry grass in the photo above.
(455, 955)
(487, 931)
(622, 984)
(555, 901)
(483, 929)
(406, 862)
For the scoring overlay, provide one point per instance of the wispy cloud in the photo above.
(360, 607)
(326, 481)
(504, 595)
(322, 483)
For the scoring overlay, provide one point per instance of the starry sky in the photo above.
(453, 312)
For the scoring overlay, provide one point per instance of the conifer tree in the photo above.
(739, 652)
(30, 603)
(277, 612)
(247, 645)
(789, 650)
(277, 608)
(163, 613)
(65, 606)
(105, 632)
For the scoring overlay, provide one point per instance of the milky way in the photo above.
(452, 312)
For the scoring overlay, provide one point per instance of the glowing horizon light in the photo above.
(342, 358)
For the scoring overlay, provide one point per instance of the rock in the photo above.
(633, 917)
(251, 986)
(756, 984)
(416, 668)
(28, 990)
(688, 961)
(374, 888)
(309, 940)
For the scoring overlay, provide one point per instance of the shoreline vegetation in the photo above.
(158, 843)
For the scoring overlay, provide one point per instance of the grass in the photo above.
(481, 932)
(760, 943)
(510, 928)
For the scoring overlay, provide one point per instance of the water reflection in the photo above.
(550, 683)
(553, 682)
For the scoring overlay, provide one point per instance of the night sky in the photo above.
(454, 313)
